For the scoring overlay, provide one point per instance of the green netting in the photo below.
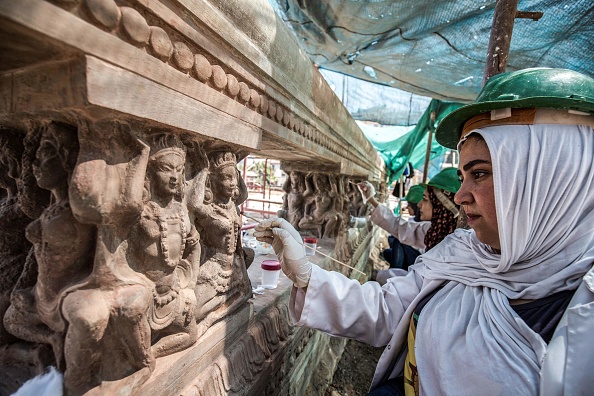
(412, 146)
(436, 48)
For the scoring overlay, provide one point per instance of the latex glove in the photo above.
(288, 246)
(357, 222)
(367, 190)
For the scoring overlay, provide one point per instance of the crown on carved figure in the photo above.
(165, 144)
(221, 159)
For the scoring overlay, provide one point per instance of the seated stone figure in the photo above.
(13, 244)
(222, 284)
(293, 200)
(164, 246)
(321, 215)
(63, 248)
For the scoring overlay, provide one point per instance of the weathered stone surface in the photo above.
(256, 100)
(160, 43)
(244, 92)
(232, 85)
(202, 68)
(182, 56)
(104, 12)
(218, 78)
(135, 26)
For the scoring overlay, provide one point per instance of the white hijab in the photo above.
(473, 342)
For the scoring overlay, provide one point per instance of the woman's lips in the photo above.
(470, 217)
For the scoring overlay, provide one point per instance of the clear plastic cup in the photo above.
(270, 272)
(310, 242)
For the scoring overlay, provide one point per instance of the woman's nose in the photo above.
(463, 195)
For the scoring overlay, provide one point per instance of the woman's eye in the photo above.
(478, 174)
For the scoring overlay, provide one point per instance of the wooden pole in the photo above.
(500, 40)
(429, 142)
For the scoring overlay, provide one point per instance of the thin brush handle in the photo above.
(315, 250)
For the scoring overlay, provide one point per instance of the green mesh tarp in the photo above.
(374, 102)
(436, 48)
(412, 146)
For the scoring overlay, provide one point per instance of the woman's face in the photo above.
(477, 195)
(47, 167)
(226, 181)
(168, 175)
(410, 210)
(426, 207)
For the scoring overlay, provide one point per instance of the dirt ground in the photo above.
(355, 370)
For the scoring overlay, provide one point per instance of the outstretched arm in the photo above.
(194, 196)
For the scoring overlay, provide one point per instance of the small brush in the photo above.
(315, 250)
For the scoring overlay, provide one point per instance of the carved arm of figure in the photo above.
(107, 183)
(333, 186)
(309, 186)
(106, 189)
(194, 196)
(309, 194)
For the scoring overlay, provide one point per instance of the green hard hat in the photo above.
(415, 194)
(528, 88)
(447, 180)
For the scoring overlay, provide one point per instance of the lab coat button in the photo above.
(389, 346)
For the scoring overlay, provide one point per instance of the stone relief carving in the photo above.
(357, 207)
(320, 213)
(14, 247)
(136, 255)
(322, 204)
(164, 246)
(222, 282)
(63, 248)
(293, 199)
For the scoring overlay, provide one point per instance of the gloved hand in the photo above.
(357, 222)
(288, 246)
(367, 190)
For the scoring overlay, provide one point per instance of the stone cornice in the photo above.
(306, 123)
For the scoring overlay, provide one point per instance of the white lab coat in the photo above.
(380, 316)
(370, 313)
(410, 233)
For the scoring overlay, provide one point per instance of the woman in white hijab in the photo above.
(476, 314)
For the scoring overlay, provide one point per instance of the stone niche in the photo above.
(122, 262)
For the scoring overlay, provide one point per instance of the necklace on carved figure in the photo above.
(164, 220)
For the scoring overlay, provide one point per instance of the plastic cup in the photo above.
(270, 272)
(312, 243)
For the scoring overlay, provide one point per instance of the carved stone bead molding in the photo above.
(161, 42)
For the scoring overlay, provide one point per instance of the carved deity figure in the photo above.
(13, 244)
(223, 284)
(357, 207)
(63, 247)
(293, 200)
(320, 213)
(164, 246)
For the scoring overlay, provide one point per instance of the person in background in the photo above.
(438, 219)
(413, 197)
(506, 307)
(399, 255)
